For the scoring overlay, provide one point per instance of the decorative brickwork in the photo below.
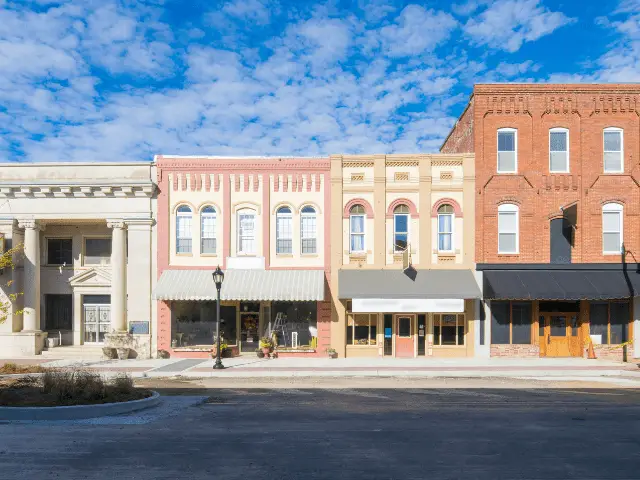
(515, 351)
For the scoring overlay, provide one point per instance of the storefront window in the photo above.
(299, 323)
(195, 324)
(361, 328)
(609, 322)
(511, 323)
(448, 329)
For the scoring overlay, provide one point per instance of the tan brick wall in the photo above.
(611, 352)
(515, 351)
(533, 109)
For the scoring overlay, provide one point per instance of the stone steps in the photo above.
(75, 351)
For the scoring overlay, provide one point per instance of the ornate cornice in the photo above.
(30, 223)
(116, 223)
(73, 189)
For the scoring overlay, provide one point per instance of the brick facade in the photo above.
(460, 139)
(515, 351)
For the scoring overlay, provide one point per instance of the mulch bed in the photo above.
(27, 392)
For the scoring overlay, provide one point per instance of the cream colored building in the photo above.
(87, 266)
(416, 208)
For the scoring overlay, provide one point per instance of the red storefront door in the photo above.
(405, 327)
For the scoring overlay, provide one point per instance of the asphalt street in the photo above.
(345, 434)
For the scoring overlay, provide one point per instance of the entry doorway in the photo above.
(96, 317)
(560, 335)
(405, 328)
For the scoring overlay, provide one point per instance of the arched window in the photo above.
(356, 229)
(612, 222)
(400, 228)
(184, 218)
(308, 230)
(208, 230)
(559, 150)
(508, 232)
(445, 228)
(246, 231)
(284, 231)
(613, 150)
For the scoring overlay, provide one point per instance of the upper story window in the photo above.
(559, 150)
(508, 241)
(445, 228)
(97, 251)
(400, 228)
(507, 150)
(613, 150)
(247, 232)
(284, 231)
(308, 230)
(612, 221)
(208, 230)
(59, 251)
(356, 229)
(184, 219)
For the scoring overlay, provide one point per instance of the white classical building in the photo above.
(86, 266)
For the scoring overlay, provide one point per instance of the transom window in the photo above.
(208, 230)
(308, 230)
(559, 150)
(508, 228)
(612, 220)
(507, 150)
(247, 232)
(284, 231)
(613, 150)
(448, 329)
(184, 218)
(97, 251)
(445, 228)
(59, 251)
(356, 229)
(400, 228)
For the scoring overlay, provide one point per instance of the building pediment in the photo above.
(94, 277)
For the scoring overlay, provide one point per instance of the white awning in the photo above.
(407, 305)
(250, 285)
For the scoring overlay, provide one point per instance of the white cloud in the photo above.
(507, 24)
(253, 11)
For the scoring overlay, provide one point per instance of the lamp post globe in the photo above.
(218, 278)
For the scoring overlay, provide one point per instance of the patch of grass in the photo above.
(13, 368)
(69, 387)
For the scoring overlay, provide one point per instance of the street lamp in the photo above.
(218, 278)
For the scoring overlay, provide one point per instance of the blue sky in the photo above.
(114, 80)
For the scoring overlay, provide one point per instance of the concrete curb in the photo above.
(77, 412)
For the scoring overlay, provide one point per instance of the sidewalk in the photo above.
(248, 366)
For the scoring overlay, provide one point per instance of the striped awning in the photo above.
(250, 285)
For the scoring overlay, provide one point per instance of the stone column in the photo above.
(118, 276)
(31, 286)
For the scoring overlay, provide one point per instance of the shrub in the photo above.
(163, 354)
(77, 386)
(12, 368)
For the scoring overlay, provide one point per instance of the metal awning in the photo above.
(251, 285)
(560, 284)
(418, 284)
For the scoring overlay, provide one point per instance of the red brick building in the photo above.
(557, 205)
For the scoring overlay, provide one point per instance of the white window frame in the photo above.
(510, 208)
(566, 132)
(452, 232)
(240, 213)
(307, 215)
(515, 146)
(621, 131)
(204, 215)
(282, 215)
(363, 234)
(179, 215)
(613, 207)
(408, 233)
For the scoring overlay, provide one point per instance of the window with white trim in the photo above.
(208, 230)
(445, 228)
(507, 150)
(308, 230)
(508, 228)
(246, 232)
(356, 229)
(400, 228)
(559, 150)
(612, 222)
(284, 231)
(613, 150)
(184, 218)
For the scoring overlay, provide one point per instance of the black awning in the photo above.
(560, 284)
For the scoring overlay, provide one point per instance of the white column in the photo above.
(31, 286)
(118, 276)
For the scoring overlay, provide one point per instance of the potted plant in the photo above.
(123, 353)
(260, 353)
(223, 350)
(266, 344)
(332, 353)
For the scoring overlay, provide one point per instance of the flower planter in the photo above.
(333, 355)
(260, 354)
(110, 353)
(123, 353)
(266, 351)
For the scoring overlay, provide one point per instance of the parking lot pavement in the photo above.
(346, 433)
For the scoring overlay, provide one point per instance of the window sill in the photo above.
(559, 172)
(506, 173)
(309, 255)
(213, 255)
(284, 255)
(96, 265)
(184, 254)
(508, 254)
(611, 253)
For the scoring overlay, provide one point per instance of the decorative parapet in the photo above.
(77, 190)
